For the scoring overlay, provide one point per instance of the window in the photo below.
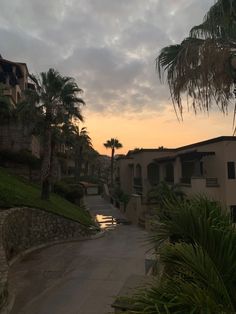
(233, 213)
(153, 174)
(231, 169)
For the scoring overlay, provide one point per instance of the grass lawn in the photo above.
(15, 191)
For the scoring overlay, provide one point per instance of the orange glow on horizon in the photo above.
(156, 129)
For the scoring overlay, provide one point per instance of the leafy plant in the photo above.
(199, 265)
(162, 192)
(72, 192)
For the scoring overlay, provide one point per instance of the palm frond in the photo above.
(113, 143)
(198, 70)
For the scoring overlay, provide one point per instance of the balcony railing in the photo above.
(212, 182)
(209, 182)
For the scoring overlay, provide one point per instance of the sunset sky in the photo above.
(109, 47)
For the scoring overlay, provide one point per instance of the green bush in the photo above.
(121, 196)
(61, 188)
(163, 192)
(72, 192)
(76, 193)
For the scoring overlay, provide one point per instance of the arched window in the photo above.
(138, 171)
(153, 173)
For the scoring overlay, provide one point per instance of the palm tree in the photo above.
(82, 144)
(199, 264)
(56, 100)
(114, 144)
(91, 160)
(202, 67)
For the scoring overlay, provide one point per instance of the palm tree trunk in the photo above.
(78, 164)
(53, 170)
(46, 163)
(112, 165)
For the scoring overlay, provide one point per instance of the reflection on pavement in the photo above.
(106, 222)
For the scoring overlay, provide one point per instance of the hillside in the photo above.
(15, 191)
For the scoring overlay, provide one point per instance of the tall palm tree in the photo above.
(56, 98)
(202, 67)
(114, 144)
(82, 143)
(91, 161)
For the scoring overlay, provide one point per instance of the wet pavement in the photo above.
(80, 277)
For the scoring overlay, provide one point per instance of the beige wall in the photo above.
(125, 175)
(128, 172)
(214, 166)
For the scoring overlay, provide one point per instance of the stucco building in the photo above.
(206, 167)
(14, 80)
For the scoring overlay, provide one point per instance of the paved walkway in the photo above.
(79, 277)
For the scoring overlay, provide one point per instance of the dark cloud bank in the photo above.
(109, 46)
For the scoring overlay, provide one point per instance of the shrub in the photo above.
(162, 192)
(121, 196)
(72, 192)
(76, 192)
(61, 188)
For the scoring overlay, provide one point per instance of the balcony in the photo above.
(207, 182)
(211, 182)
(201, 186)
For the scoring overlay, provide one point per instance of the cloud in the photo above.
(109, 46)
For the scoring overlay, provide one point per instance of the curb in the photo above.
(52, 243)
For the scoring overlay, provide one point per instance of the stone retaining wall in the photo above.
(24, 228)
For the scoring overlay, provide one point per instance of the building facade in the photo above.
(206, 168)
(14, 80)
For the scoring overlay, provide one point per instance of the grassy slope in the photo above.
(16, 192)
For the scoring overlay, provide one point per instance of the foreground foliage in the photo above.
(196, 241)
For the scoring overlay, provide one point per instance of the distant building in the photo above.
(14, 77)
(207, 168)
